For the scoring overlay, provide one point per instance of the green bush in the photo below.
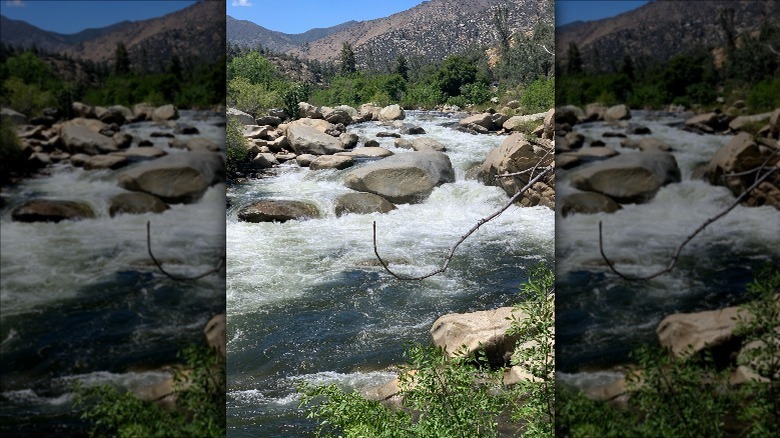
(539, 96)
(11, 155)
(28, 99)
(200, 403)
(237, 152)
(765, 95)
(251, 98)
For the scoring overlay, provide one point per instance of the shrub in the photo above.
(11, 155)
(236, 147)
(539, 96)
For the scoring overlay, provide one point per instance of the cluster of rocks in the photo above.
(95, 140)
(319, 140)
(614, 178)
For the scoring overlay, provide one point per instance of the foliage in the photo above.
(251, 98)
(458, 396)
(535, 399)
(358, 88)
(527, 60)
(28, 99)
(690, 395)
(539, 96)
(253, 67)
(347, 60)
(292, 96)
(765, 95)
(11, 156)
(235, 143)
(456, 72)
(200, 399)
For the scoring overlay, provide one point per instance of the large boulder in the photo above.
(242, 117)
(403, 178)
(307, 110)
(106, 162)
(483, 330)
(524, 124)
(277, 211)
(628, 178)
(370, 152)
(46, 210)
(484, 120)
(587, 203)
(135, 203)
(337, 115)
(369, 111)
(16, 117)
(687, 333)
(164, 113)
(424, 144)
(318, 124)
(331, 162)
(518, 153)
(307, 140)
(80, 139)
(176, 178)
(617, 112)
(216, 333)
(361, 203)
(392, 112)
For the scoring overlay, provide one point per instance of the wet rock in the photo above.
(367, 152)
(216, 333)
(164, 113)
(588, 203)
(628, 178)
(176, 178)
(135, 203)
(122, 140)
(262, 161)
(617, 112)
(105, 162)
(44, 210)
(79, 139)
(307, 140)
(484, 120)
(483, 330)
(402, 143)
(277, 211)
(304, 160)
(424, 144)
(361, 203)
(78, 160)
(392, 112)
(412, 130)
(338, 162)
(403, 178)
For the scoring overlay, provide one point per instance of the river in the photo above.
(306, 300)
(600, 318)
(81, 300)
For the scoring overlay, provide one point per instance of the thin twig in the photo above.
(171, 276)
(471, 231)
(545, 49)
(698, 230)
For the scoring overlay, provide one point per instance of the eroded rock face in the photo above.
(177, 178)
(46, 210)
(403, 178)
(484, 330)
(517, 154)
(277, 211)
(361, 203)
(628, 178)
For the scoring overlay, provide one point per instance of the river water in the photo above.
(81, 300)
(307, 302)
(600, 318)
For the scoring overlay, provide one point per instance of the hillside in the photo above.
(247, 34)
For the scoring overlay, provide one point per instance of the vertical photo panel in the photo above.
(390, 222)
(667, 243)
(112, 308)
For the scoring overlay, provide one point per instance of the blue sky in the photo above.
(69, 17)
(298, 16)
(567, 11)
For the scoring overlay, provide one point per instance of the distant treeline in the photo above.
(747, 68)
(32, 80)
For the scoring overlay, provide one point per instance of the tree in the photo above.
(401, 67)
(121, 60)
(501, 23)
(348, 63)
(456, 72)
(574, 65)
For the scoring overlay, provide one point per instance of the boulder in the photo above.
(83, 110)
(142, 111)
(277, 211)
(517, 153)
(392, 112)
(349, 139)
(79, 139)
(617, 112)
(135, 203)
(122, 140)
(369, 111)
(595, 111)
(263, 160)
(402, 143)
(569, 114)
(403, 178)
(141, 153)
(78, 160)
(740, 121)
(367, 152)
(687, 333)
(202, 144)
(484, 120)
(423, 144)
(110, 115)
(176, 178)
(269, 120)
(524, 123)
(106, 162)
(216, 333)
(318, 124)
(45, 210)
(412, 130)
(242, 117)
(587, 203)
(164, 113)
(361, 203)
(477, 331)
(740, 154)
(16, 117)
(307, 110)
(628, 178)
(254, 131)
(304, 160)
(331, 162)
(307, 140)
(336, 116)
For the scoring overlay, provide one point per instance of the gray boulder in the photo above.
(242, 117)
(427, 145)
(277, 211)
(392, 112)
(403, 178)
(176, 178)
(45, 210)
(307, 140)
(164, 113)
(106, 162)
(588, 203)
(629, 178)
(80, 139)
(135, 203)
(361, 203)
(617, 112)
(16, 117)
(331, 162)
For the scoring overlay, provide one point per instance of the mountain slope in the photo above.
(659, 30)
(22, 34)
(247, 34)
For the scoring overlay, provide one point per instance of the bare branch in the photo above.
(545, 49)
(773, 50)
(471, 231)
(171, 276)
(698, 230)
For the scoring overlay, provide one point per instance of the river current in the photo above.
(82, 302)
(307, 301)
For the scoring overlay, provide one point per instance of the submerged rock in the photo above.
(277, 211)
(361, 203)
(46, 210)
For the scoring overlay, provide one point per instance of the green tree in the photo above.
(456, 72)
(401, 67)
(347, 59)
(574, 64)
(121, 60)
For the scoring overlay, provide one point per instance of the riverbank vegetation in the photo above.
(746, 68)
(462, 395)
(694, 395)
(32, 80)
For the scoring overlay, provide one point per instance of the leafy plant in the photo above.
(236, 147)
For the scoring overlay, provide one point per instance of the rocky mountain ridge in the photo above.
(659, 30)
(248, 34)
(194, 32)
(420, 31)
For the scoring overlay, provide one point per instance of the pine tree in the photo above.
(121, 60)
(348, 64)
